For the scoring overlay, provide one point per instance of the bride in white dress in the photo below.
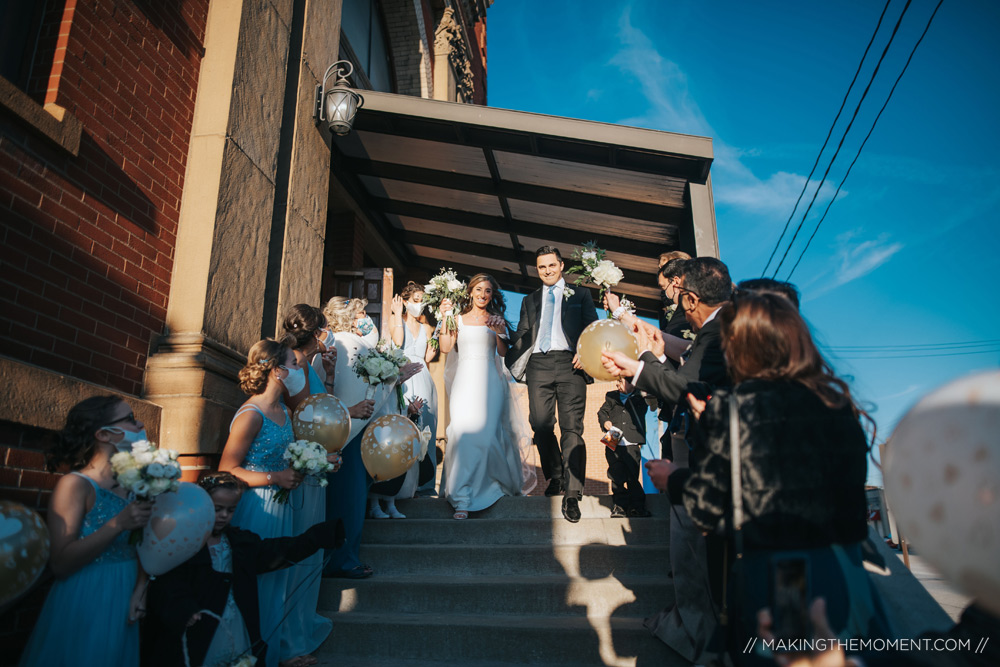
(487, 441)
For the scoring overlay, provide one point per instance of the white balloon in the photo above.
(181, 522)
(942, 478)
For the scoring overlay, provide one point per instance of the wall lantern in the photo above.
(337, 105)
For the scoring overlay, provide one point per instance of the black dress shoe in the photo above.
(571, 509)
(640, 513)
(555, 488)
(618, 512)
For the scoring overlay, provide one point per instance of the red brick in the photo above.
(31, 479)
(10, 477)
(25, 458)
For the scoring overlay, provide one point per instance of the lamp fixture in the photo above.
(338, 104)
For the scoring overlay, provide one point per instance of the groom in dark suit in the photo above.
(543, 353)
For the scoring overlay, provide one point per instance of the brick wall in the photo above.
(87, 242)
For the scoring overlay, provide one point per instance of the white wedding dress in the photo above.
(488, 443)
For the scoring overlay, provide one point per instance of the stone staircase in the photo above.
(513, 585)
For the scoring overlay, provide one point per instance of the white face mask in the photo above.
(295, 381)
(414, 309)
(328, 340)
(129, 438)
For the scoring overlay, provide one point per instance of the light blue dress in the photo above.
(288, 622)
(422, 385)
(84, 620)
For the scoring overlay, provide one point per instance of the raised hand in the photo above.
(396, 307)
(619, 365)
(329, 359)
(409, 370)
(446, 305)
(611, 302)
(415, 406)
(496, 323)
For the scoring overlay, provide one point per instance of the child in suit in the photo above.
(623, 419)
(212, 597)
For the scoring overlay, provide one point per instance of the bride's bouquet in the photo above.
(593, 268)
(146, 472)
(380, 364)
(308, 458)
(445, 285)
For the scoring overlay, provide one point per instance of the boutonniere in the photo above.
(669, 310)
(690, 335)
(567, 293)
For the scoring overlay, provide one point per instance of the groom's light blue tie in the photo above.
(548, 308)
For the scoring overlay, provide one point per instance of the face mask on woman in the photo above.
(328, 339)
(364, 326)
(414, 309)
(128, 437)
(295, 381)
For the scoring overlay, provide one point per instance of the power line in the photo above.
(919, 356)
(844, 137)
(860, 148)
(827, 140)
(917, 346)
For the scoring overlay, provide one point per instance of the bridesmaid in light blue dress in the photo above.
(89, 617)
(258, 436)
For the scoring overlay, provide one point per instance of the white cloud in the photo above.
(854, 258)
(671, 107)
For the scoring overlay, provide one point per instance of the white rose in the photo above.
(429, 288)
(141, 446)
(129, 477)
(143, 458)
(606, 273)
(454, 285)
(121, 461)
(589, 255)
(159, 486)
(312, 465)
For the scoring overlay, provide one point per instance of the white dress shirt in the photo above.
(558, 340)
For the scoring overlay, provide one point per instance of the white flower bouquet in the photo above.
(308, 458)
(445, 285)
(592, 267)
(380, 364)
(146, 472)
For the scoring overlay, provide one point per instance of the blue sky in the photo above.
(907, 254)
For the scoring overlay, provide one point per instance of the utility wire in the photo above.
(920, 356)
(827, 140)
(841, 144)
(860, 148)
(916, 347)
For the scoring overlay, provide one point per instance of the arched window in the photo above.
(363, 41)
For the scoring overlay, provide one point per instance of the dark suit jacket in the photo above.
(577, 312)
(705, 363)
(630, 416)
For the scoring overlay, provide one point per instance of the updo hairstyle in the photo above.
(222, 480)
(341, 312)
(410, 289)
(75, 444)
(264, 356)
(302, 321)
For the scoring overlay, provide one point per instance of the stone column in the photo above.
(230, 233)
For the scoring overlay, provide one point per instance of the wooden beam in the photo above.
(557, 235)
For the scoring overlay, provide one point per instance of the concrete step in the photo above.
(517, 531)
(461, 639)
(592, 561)
(626, 595)
(526, 507)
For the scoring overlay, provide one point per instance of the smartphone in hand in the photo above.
(790, 597)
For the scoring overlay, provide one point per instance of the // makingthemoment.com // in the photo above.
(854, 645)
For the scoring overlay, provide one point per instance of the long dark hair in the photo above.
(496, 306)
(75, 444)
(764, 337)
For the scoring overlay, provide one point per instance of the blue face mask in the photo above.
(365, 326)
(328, 339)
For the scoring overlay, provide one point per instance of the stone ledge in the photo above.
(35, 396)
(51, 121)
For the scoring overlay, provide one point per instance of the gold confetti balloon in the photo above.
(322, 418)
(181, 522)
(24, 550)
(942, 480)
(390, 445)
(600, 336)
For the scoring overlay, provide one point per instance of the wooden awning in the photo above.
(480, 189)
